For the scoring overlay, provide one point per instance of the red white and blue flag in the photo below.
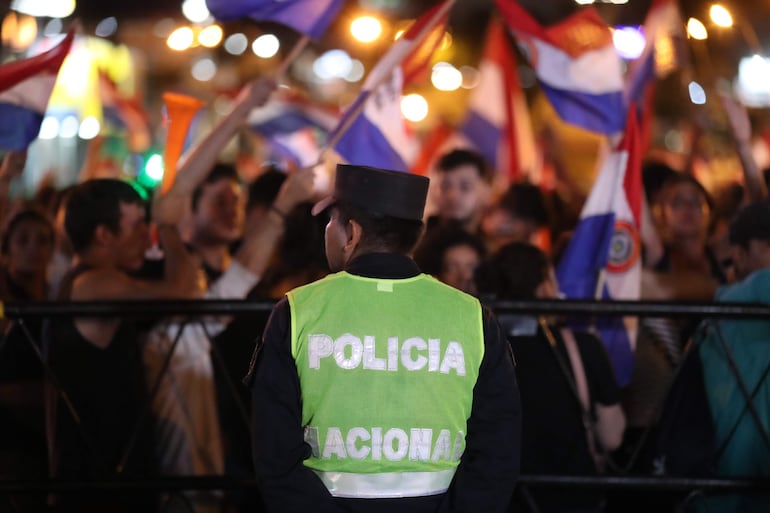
(294, 128)
(288, 114)
(602, 260)
(576, 65)
(309, 17)
(372, 132)
(497, 122)
(25, 88)
(296, 149)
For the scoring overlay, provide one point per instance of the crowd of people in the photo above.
(108, 398)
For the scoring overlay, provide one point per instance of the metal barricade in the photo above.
(192, 313)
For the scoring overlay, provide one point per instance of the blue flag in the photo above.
(309, 17)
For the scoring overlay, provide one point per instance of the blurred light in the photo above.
(755, 70)
(721, 16)
(356, 72)
(180, 39)
(333, 64)
(44, 8)
(674, 141)
(236, 44)
(19, 30)
(414, 107)
(106, 27)
(398, 34)
(26, 32)
(195, 10)
(204, 70)
(584, 2)
(696, 29)
(75, 73)
(697, 94)
(266, 46)
(446, 42)
(164, 27)
(470, 77)
(223, 105)
(753, 85)
(210, 36)
(629, 42)
(618, 2)
(49, 128)
(154, 167)
(446, 77)
(53, 27)
(366, 28)
(89, 128)
(69, 127)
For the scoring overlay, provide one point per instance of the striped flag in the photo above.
(497, 122)
(602, 261)
(25, 88)
(576, 65)
(372, 131)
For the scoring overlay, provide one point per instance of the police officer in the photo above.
(379, 388)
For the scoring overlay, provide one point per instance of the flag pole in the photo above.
(291, 57)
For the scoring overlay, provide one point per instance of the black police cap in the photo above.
(391, 193)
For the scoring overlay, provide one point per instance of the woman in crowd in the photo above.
(27, 247)
(571, 415)
(451, 255)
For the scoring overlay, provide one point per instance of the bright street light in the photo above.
(446, 77)
(414, 107)
(366, 28)
(210, 36)
(266, 46)
(181, 39)
(721, 16)
(696, 29)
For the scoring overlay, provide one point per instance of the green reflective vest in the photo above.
(387, 370)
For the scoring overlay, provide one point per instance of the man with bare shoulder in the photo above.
(102, 431)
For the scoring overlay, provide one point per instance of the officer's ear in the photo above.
(355, 233)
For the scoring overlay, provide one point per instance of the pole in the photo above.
(291, 57)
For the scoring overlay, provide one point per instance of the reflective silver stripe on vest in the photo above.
(386, 485)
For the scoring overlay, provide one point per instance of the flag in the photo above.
(662, 54)
(372, 131)
(431, 147)
(299, 148)
(663, 34)
(309, 17)
(294, 128)
(497, 122)
(602, 261)
(576, 65)
(288, 114)
(125, 113)
(25, 87)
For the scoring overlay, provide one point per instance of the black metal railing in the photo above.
(191, 312)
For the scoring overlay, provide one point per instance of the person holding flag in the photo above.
(603, 258)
